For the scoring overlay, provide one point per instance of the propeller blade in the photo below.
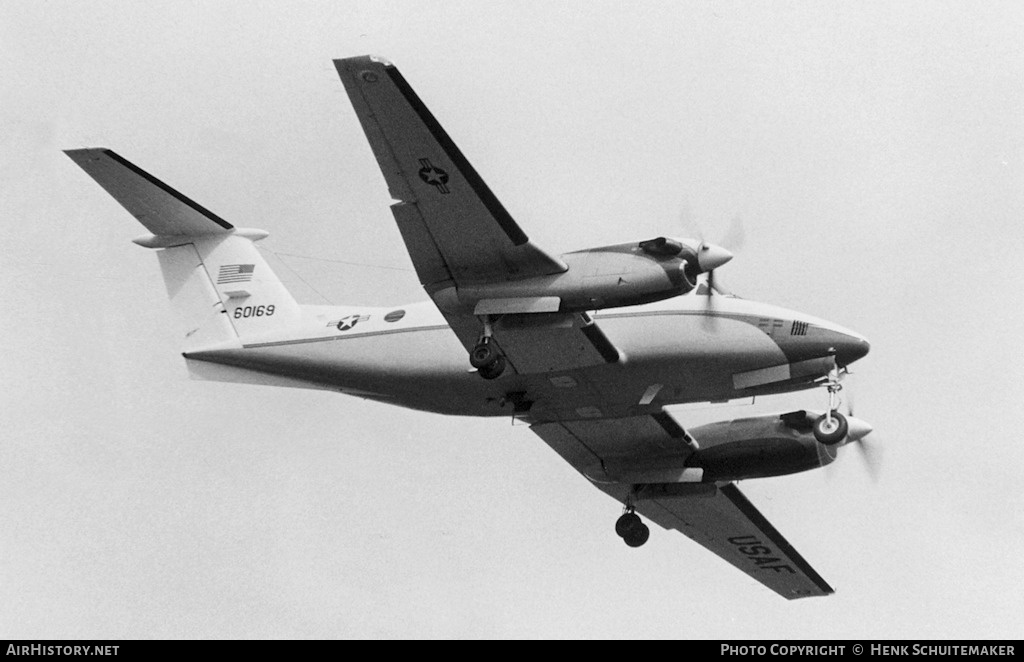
(711, 256)
(721, 289)
(736, 236)
(686, 218)
(871, 454)
(710, 321)
(861, 434)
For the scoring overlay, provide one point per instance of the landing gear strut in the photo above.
(631, 529)
(486, 357)
(832, 427)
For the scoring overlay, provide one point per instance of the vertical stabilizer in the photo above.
(223, 290)
(218, 282)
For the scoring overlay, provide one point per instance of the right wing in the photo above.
(643, 459)
(456, 230)
(723, 521)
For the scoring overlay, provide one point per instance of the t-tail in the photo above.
(218, 282)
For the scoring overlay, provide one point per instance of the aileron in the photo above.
(724, 521)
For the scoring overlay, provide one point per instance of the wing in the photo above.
(456, 230)
(643, 459)
(723, 521)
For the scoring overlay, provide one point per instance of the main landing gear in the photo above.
(631, 529)
(485, 356)
(832, 427)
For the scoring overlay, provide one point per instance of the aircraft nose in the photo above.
(711, 256)
(851, 348)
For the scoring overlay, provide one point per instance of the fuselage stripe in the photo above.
(609, 353)
(347, 336)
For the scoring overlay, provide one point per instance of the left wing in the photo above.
(458, 233)
(456, 229)
(643, 459)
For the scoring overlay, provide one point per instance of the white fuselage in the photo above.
(682, 350)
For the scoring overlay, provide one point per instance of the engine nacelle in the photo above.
(607, 277)
(758, 447)
(754, 447)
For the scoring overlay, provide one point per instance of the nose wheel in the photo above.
(631, 529)
(831, 427)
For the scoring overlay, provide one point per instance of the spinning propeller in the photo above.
(732, 242)
(860, 435)
(711, 256)
(870, 451)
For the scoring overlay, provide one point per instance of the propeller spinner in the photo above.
(711, 256)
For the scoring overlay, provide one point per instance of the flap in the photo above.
(619, 449)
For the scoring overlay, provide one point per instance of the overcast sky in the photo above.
(874, 150)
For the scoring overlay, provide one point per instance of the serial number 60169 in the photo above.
(254, 311)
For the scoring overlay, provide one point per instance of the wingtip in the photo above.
(363, 59)
(85, 152)
(354, 71)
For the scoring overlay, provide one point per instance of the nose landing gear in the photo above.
(832, 427)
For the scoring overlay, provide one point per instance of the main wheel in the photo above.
(830, 430)
(638, 535)
(484, 355)
(494, 370)
(627, 523)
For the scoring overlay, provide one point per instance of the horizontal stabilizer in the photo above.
(156, 205)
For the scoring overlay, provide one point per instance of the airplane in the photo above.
(588, 347)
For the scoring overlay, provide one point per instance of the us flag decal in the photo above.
(235, 273)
